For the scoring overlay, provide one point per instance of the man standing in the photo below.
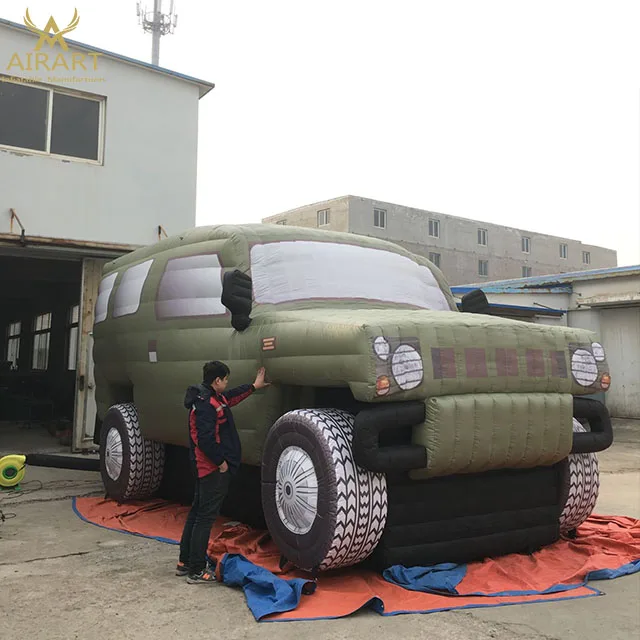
(215, 454)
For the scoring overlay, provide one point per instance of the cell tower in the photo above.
(158, 24)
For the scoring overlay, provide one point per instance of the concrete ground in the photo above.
(64, 579)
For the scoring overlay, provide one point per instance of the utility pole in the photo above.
(158, 24)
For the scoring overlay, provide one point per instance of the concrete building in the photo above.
(98, 156)
(606, 301)
(465, 250)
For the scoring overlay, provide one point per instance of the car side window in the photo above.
(129, 291)
(191, 287)
(104, 293)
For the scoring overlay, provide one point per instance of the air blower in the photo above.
(13, 467)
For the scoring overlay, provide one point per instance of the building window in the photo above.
(41, 339)
(435, 258)
(483, 235)
(72, 337)
(281, 222)
(380, 218)
(13, 343)
(526, 244)
(586, 257)
(483, 267)
(564, 251)
(526, 272)
(323, 217)
(51, 121)
(434, 228)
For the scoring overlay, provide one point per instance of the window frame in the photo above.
(483, 234)
(438, 258)
(13, 337)
(528, 271)
(565, 246)
(382, 214)
(71, 325)
(326, 217)
(586, 257)
(436, 225)
(528, 243)
(101, 100)
(482, 261)
(39, 332)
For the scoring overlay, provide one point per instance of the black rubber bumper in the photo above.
(368, 425)
(596, 414)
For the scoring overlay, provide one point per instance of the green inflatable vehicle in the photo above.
(399, 428)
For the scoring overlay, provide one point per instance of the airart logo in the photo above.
(54, 36)
(51, 26)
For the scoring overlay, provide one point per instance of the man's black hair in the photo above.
(214, 369)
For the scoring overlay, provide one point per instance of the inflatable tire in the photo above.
(321, 509)
(131, 466)
(584, 483)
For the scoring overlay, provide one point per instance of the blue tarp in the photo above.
(265, 592)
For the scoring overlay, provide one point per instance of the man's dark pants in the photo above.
(209, 494)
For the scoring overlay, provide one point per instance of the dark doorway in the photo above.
(39, 316)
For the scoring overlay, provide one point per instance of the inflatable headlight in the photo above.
(584, 367)
(381, 347)
(598, 351)
(398, 364)
(406, 366)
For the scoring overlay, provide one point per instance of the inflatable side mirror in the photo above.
(237, 297)
(474, 302)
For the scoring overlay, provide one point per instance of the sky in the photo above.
(516, 112)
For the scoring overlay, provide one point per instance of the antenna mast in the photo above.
(158, 24)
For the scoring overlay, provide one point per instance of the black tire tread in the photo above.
(146, 457)
(584, 485)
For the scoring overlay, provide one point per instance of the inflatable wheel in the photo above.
(131, 465)
(584, 483)
(321, 509)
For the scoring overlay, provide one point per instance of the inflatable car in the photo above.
(398, 428)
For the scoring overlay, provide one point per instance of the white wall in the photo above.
(148, 177)
(621, 339)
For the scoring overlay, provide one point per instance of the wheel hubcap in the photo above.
(113, 454)
(296, 490)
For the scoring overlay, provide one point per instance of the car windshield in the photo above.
(291, 271)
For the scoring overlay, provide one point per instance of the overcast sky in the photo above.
(523, 113)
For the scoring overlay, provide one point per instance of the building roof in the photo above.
(553, 283)
(203, 85)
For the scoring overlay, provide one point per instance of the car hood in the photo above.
(418, 353)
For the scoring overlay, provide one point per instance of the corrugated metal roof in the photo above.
(204, 85)
(553, 283)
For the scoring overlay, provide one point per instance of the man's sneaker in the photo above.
(182, 569)
(206, 575)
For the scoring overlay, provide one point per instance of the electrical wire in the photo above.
(18, 493)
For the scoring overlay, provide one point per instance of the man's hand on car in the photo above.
(259, 382)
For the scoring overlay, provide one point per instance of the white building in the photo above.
(98, 155)
(606, 301)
